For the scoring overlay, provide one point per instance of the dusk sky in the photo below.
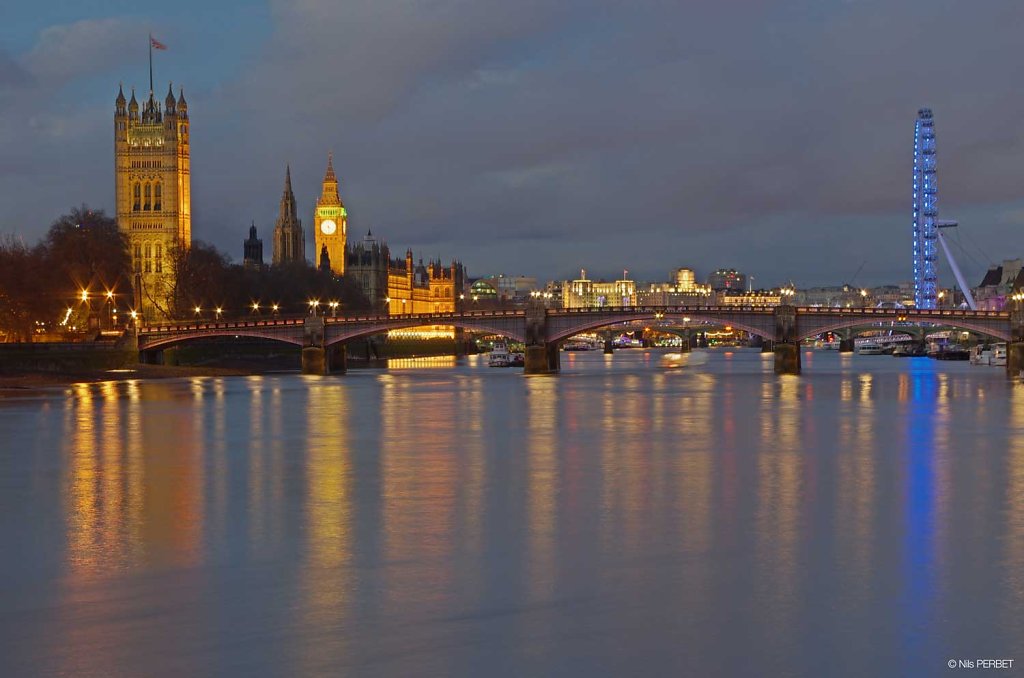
(541, 137)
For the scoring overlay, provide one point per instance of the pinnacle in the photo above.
(330, 176)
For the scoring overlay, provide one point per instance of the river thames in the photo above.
(445, 519)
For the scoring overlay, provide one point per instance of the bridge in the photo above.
(542, 330)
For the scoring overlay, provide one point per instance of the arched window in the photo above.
(137, 197)
(149, 198)
(157, 193)
(158, 255)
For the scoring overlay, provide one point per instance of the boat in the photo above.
(988, 354)
(870, 348)
(577, 346)
(953, 352)
(692, 358)
(516, 359)
(499, 356)
(830, 345)
(908, 350)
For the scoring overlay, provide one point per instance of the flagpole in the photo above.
(150, 65)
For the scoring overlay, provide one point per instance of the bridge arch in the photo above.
(162, 342)
(858, 323)
(606, 321)
(339, 333)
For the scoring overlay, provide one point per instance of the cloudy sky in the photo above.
(541, 137)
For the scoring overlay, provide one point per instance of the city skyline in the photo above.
(471, 144)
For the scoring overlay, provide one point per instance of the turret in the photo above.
(119, 103)
(133, 107)
(169, 101)
(182, 104)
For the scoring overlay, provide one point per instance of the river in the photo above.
(439, 518)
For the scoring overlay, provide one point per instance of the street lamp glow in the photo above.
(255, 305)
(85, 295)
(110, 294)
(218, 311)
(274, 308)
(198, 310)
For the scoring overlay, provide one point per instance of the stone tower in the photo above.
(289, 240)
(153, 192)
(331, 221)
(252, 249)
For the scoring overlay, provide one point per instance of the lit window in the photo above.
(137, 194)
(156, 197)
(149, 195)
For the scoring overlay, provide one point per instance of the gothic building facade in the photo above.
(152, 191)
(400, 286)
(289, 239)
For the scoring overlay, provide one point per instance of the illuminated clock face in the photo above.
(328, 227)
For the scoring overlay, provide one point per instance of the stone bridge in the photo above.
(542, 330)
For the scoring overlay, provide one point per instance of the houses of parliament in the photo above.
(392, 285)
(152, 169)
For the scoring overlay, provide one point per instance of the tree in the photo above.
(87, 251)
(22, 299)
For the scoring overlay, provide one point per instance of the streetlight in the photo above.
(274, 308)
(198, 310)
(218, 311)
(334, 309)
(313, 305)
(255, 307)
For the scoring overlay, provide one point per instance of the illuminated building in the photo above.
(330, 223)
(152, 191)
(669, 294)
(252, 248)
(727, 279)
(289, 238)
(399, 285)
(999, 284)
(685, 279)
(585, 293)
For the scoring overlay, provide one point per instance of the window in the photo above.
(159, 254)
(137, 194)
(148, 266)
(149, 194)
(156, 201)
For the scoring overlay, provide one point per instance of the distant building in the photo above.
(253, 249)
(586, 293)
(727, 279)
(668, 294)
(289, 240)
(685, 280)
(998, 284)
(510, 288)
(755, 298)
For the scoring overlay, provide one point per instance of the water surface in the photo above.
(865, 518)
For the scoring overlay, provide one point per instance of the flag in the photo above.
(156, 44)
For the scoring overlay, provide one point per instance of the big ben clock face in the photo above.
(328, 227)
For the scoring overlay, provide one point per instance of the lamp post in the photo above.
(334, 309)
(313, 305)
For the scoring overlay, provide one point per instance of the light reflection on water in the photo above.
(437, 520)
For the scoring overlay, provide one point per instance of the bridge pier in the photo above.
(767, 346)
(1014, 359)
(542, 359)
(846, 345)
(787, 358)
(786, 345)
(609, 347)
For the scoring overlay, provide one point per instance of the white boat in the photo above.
(870, 348)
(830, 345)
(989, 354)
(499, 356)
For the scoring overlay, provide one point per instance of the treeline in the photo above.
(41, 285)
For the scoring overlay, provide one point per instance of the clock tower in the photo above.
(330, 222)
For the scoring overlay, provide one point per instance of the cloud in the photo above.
(69, 51)
(647, 134)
